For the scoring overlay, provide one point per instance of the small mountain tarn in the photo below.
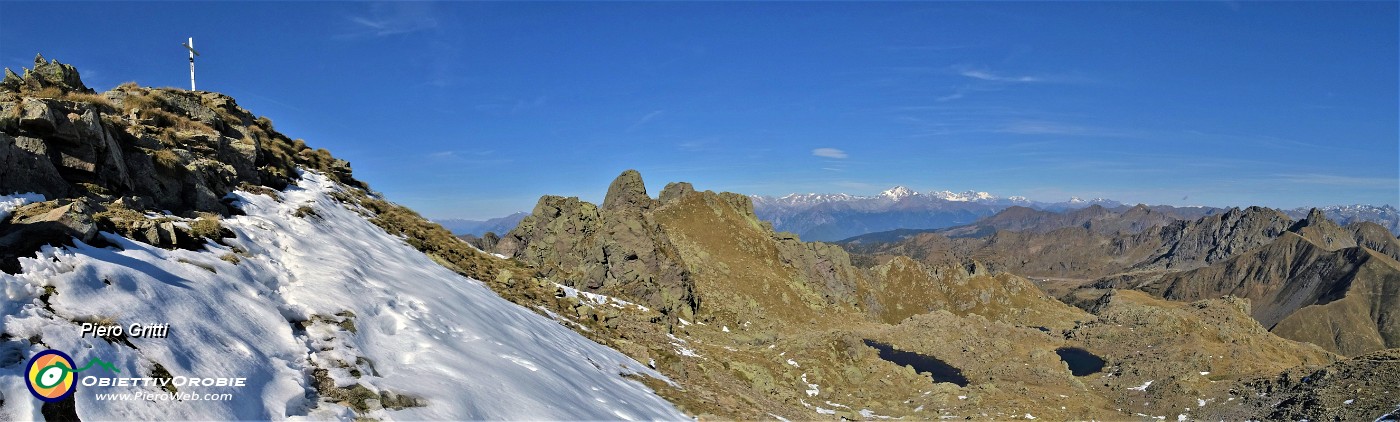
(1080, 361)
(940, 370)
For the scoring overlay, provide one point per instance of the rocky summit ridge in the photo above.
(105, 161)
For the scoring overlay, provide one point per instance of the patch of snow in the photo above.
(599, 299)
(1204, 373)
(501, 256)
(962, 397)
(1349, 401)
(829, 403)
(812, 389)
(1142, 387)
(429, 332)
(779, 418)
(724, 328)
(793, 363)
(8, 203)
(1180, 418)
(1030, 416)
(1200, 402)
(680, 345)
(684, 323)
(868, 414)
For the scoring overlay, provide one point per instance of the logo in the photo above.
(50, 374)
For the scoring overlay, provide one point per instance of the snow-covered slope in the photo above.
(419, 330)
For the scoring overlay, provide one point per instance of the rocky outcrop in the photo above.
(694, 255)
(150, 150)
(45, 74)
(616, 250)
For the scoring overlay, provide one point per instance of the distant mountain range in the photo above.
(831, 217)
(498, 225)
(837, 216)
(1384, 215)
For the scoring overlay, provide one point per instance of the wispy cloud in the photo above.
(1338, 180)
(855, 185)
(989, 76)
(512, 105)
(386, 19)
(830, 153)
(458, 157)
(696, 145)
(645, 119)
(1044, 127)
(1259, 139)
(981, 73)
(922, 48)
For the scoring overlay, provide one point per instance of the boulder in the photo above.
(44, 223)
(25, 167)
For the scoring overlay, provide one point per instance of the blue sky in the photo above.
(474, 110)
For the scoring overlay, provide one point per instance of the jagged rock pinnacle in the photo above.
(627, 192)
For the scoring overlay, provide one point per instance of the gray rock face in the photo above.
(827, 267)
(25, 167)
(617, 250)
(1189, 244)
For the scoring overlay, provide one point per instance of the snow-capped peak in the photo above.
(1076, 200)
(897, 193)
(966, 196)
